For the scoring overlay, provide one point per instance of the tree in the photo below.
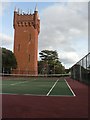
(50, 63)
(8, 60)
(48, 55)
(40, 67)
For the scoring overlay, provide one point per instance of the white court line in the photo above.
(36, 95)
(52, 88)
(70, 88)
(18, 83)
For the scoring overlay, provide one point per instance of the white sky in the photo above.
(64, 28)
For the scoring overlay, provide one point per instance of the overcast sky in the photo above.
(64, 27)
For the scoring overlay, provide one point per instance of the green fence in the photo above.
(81, 70)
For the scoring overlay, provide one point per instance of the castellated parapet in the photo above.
(23, 19)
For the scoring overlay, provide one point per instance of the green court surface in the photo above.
(38, 86)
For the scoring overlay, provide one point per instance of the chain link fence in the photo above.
(81, 70)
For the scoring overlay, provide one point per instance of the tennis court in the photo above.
(43, 97)
(37, 86)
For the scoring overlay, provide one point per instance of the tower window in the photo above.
(29, 58)
(18, 47)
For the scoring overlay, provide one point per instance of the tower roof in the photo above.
(36, 9)
(15, 9)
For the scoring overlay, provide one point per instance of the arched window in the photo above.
(29, 58)
(18, 47)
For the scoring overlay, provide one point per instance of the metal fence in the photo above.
(81, 70)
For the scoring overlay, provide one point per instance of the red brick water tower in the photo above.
(26, 30)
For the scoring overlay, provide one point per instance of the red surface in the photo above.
(19, 106)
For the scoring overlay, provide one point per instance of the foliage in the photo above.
(50, 63)
(49, 55)
(8, 60)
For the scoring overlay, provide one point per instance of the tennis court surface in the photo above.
(37, 86)
(44, 97)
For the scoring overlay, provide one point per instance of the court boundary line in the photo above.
(52, 88)
(18, 83)
(70, 88)
(33, 95)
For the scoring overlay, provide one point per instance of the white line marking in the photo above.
(18, 83)
(36, 95)
(70, 88)
(52, 87)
